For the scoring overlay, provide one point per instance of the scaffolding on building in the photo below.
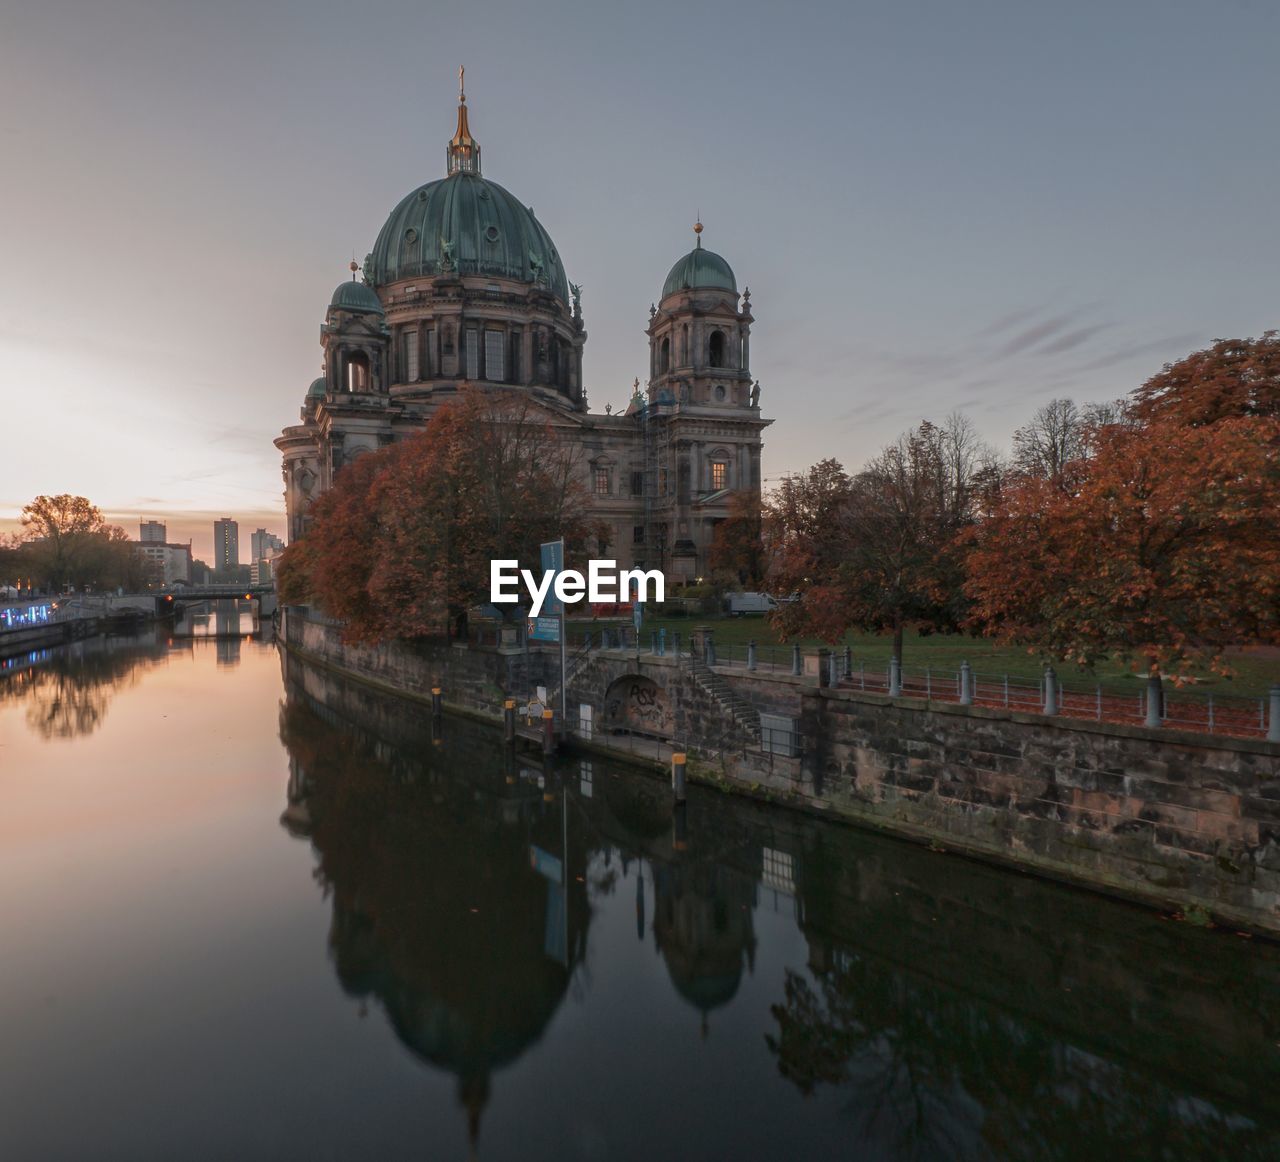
(656, 423)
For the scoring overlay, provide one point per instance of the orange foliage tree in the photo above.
(737, 553)
(1165, 551)
(1234, 377)
(401, 545)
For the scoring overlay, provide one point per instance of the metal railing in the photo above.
(1181, 707)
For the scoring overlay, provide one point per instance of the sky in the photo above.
(937, 206)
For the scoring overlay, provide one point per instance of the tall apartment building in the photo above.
(226, 546)
(152, 532)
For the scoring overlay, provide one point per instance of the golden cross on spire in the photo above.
(462, 89)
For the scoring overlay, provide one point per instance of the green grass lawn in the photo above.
(1254, 673)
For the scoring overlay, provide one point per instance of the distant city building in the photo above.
(152, 532)
(464, 286)
(226, 547)
(265, 544)
(165, 564)
(266, 548)
(263, 570)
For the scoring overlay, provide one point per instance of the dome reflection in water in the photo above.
(821, 991)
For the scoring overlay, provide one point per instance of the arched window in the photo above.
(664, 356)
(684, 345)
(355, 372)
(715, 349)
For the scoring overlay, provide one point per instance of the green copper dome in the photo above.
(467, 225)
(318, 389)
(356, 296)
(700, 268)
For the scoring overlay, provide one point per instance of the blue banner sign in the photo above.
(552, 562)
(544, 629)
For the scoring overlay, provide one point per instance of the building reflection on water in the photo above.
(961, 1012)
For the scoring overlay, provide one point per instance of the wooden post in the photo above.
(678, 776)
(509, 719)
(437, 701)
(548, 732)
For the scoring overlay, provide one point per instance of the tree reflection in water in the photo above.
(67, 690)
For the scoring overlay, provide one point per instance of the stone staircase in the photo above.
(744, 715)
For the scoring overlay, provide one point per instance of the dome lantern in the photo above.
(463, 150)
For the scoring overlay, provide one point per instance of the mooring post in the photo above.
(1050, 691)
(509, 719)
(1273, 726)
(966, 684)
(679, 828)
(1153, 701)
(795, 659)
(895, 677)
(437, 701)
(751, 654)
(678, 776)
(548, 732)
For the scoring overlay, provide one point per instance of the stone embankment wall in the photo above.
(474, 681)
(1178, 821)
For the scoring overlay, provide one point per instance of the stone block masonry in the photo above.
(1183, 822)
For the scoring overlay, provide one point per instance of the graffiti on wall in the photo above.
(637, 704)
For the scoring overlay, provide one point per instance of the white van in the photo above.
(740, 603)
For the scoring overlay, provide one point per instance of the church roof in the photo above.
(468, 225)
(464, 224)
(319, 387)
(356, 296)
(700, 268)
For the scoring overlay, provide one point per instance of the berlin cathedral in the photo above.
(464, 286)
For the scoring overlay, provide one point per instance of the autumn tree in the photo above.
(878, 550)
(402, 543)
(737, 553)
(1165, 553)
(1233, 377)
(65, 540)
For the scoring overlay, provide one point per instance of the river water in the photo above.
(251, 910)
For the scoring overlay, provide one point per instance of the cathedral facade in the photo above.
(464, 287)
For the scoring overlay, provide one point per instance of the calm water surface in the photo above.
(252, 911)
